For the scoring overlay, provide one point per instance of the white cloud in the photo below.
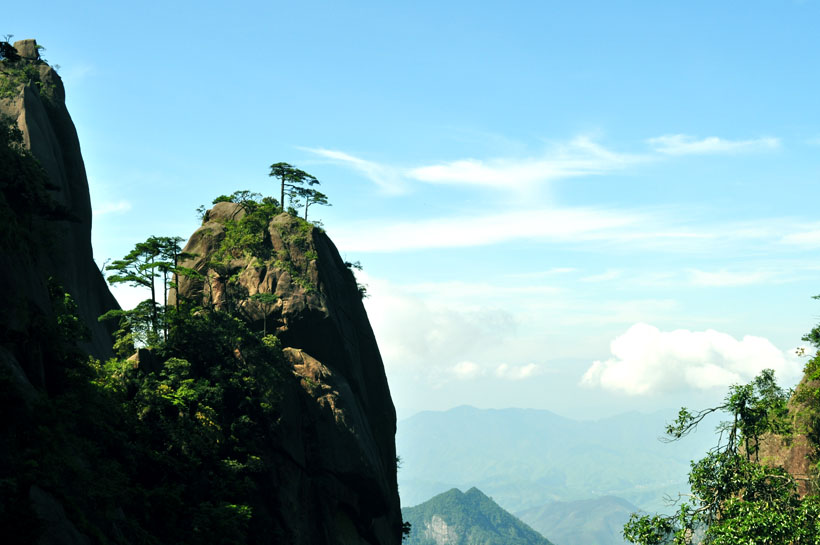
(441, 291)
(654, 228)
(567, 224)
(543, 274)
(681, 144)
(469, 370)
(646, 360)
(111, 208)
(808, 236)
(611, 274)
(466, 370)
(386, 177)
(724, 278)
(517, 372)
(419, 328)
(580, 157)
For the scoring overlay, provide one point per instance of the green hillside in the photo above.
(599, 521)
(466, 518)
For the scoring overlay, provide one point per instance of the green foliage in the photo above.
(7, 51)
(310, 196)
(16, 72)
(69, 326)
(180, 446)
(406, 528)
(146, 324)
(297, 184)
(265, 303)
(734, 498)
(247, 237)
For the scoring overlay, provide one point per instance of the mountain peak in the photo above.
(28, 49)
(466, 518)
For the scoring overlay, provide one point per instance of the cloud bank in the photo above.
(646, 360)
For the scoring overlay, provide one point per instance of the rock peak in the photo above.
(28, 49)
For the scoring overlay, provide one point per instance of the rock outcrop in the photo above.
(799, 452)
(330, 461)
(61, 248)
(337, 471)
(39, 249)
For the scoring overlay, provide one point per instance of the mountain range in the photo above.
(526, 458)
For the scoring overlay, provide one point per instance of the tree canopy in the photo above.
(296, 183)
(735, 498)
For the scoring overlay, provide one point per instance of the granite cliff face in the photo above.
(337, 467)
(60, 248)
(799, 452)
(73, 470)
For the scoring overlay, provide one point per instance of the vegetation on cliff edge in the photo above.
(737, 497)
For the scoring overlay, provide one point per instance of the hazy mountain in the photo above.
(599, 521)
(466, 518)
(526, 458)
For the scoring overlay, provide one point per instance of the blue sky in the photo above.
(587, 207)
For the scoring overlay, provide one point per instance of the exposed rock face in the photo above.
(337, 475)
(63, 247)
(438, 531)
(53, 248)
(798, 452)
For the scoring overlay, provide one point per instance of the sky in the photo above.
(586, 207)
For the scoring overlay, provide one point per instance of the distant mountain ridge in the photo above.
(526, 458)
(599, 520)
(466, 518)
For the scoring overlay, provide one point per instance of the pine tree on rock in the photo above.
(291, 179)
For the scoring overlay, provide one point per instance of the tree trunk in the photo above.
(176, 283)
(153, 296)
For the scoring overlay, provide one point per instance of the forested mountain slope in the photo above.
(466, 518)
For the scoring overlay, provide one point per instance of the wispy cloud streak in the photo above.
(580, 157)
(388, 178)
(682, 144)
(552, 224)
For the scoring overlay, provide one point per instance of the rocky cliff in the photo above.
(799, 451)
(57, 245)
(252, 439)
(337, 466)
